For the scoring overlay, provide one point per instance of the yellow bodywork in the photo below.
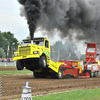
(79, 65)
(26, 51)
(80, 69)
(54, 65)
(98, 62)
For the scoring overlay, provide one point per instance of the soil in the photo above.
(12, 85)
(7, 68)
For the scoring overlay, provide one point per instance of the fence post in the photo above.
(5, 63)
(0, 87)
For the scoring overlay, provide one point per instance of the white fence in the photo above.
(8, 63)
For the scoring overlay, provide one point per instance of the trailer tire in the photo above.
(95, 74)
(19, 65)
(92, 74)
(59, 75)
(42, 62)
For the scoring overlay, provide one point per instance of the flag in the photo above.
(8, 49)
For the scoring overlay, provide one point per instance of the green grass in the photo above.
(7, 66)
(15, 72)
(90, 94)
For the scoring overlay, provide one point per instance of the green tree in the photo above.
(2, 53)
(8, 39)
(28, 37)
(64, 51)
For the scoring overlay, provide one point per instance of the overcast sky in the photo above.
(10, 20)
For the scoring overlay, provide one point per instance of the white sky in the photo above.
(10, 20)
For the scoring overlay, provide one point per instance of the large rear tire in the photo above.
(19, 65)
(42, 62)
(59, 75)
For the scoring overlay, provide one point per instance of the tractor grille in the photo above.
(24, 50)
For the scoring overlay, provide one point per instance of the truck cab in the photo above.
(92, 62)
(32, 54)
(91, 52)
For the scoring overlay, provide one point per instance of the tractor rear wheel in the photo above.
(59, 75)
(19, 65)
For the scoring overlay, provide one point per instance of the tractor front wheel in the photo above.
(19, 65)
(42, 62)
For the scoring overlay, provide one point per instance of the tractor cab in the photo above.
(91, 52)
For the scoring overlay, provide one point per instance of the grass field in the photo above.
(7, 66)
(15, 72)
(90, 94)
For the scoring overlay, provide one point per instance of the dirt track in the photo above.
(11, 85)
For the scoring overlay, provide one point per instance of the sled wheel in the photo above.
(95, 74)
(92, 74)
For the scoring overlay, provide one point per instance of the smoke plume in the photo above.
(67, 16)
(32, 12)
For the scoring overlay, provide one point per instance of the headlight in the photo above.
(16, 54)
(36, 52)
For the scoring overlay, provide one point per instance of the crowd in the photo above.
(6, 59)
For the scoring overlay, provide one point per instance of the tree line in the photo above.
(7, 43)
(59, 50)
(65, 51)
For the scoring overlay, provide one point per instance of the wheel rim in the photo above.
(60, 74)
(44, 62)
(96, 73)
(92, 74)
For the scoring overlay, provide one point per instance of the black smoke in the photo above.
(32, 13)
(67, 16)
